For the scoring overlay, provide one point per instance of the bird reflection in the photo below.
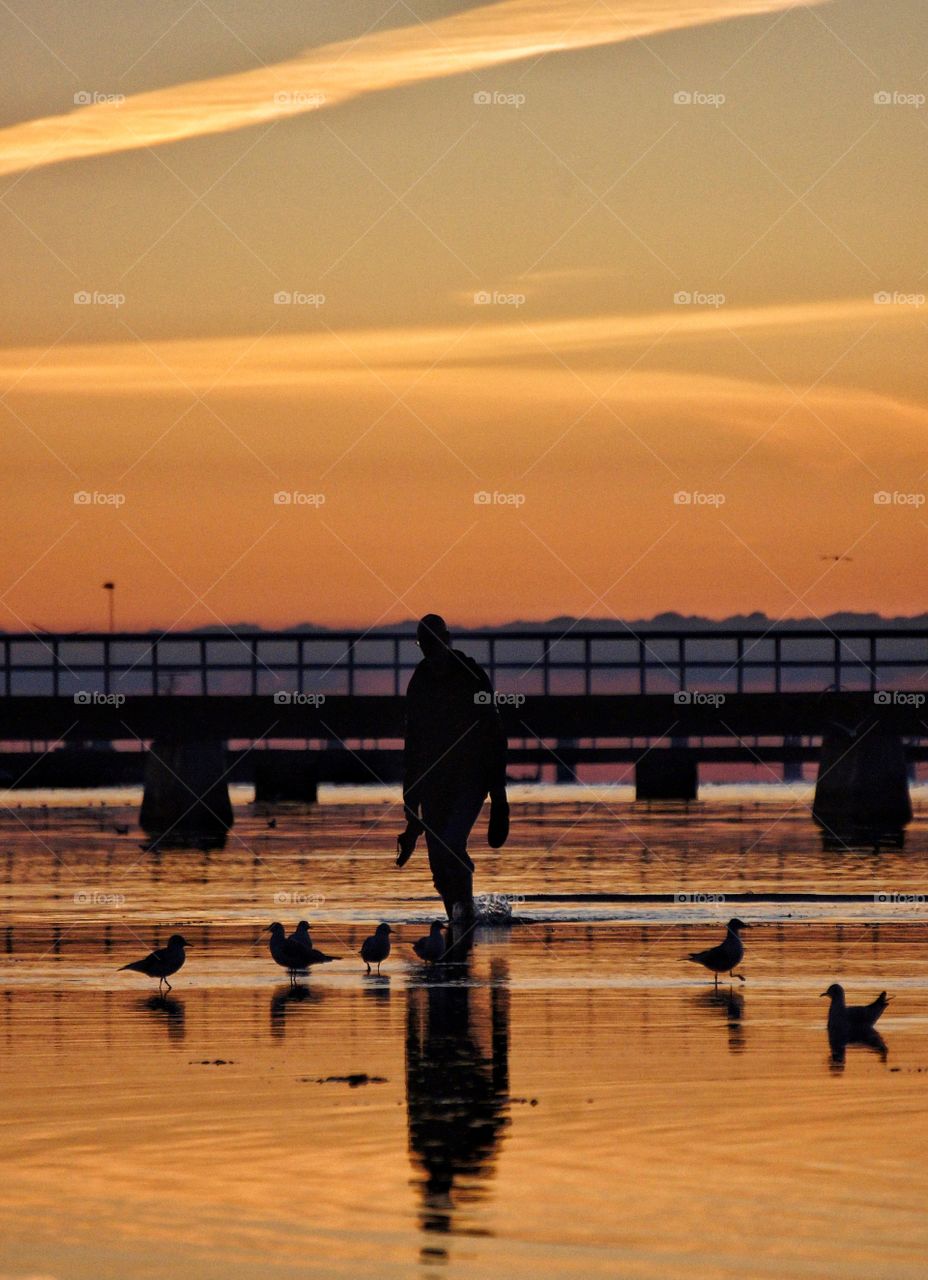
(457, 1090)
(377, 987)
(867, 1039)
(171, 1011)
(731, 1004)
(283, 998)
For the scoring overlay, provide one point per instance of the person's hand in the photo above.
(406, 844)
(498, 828)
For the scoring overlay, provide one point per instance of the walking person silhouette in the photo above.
(455, 757)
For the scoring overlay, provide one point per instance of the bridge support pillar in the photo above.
(667, 774)
(285, 775)
(564, 771)
(862, 792)
(186, 796)
(792, 767)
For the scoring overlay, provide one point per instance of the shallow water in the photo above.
(576, 1101)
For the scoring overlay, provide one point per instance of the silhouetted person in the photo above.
(455, 757)
(457, 1091)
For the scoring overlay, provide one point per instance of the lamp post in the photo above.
(110, 588)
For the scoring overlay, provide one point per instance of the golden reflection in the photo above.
(457, 1091)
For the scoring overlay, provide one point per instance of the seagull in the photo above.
(847, 1022)
(376, 948)
(290, 953)
(301, 937)
(431, 948)
(724, 957)
(162, 963)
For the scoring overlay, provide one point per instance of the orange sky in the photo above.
(517, 278)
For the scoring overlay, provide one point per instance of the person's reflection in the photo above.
(171, 1011)
(457, 1088)
(731, 1005)
(281, 1000)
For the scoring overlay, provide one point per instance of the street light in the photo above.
(110, 587)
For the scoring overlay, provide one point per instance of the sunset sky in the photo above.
(483, 290)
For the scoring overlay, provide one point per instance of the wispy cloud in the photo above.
(283, 362)
(473, 41)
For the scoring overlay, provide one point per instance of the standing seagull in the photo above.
(162, 963)
(431, 948)
(301, 936)
(724, 957)
(848, 1022)
(291, 954)
(376, 948)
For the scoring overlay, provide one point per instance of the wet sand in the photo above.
(576, 1101)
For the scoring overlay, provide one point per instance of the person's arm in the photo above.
(494, 742)
(413, 762)
(494, 745)
(412, 774)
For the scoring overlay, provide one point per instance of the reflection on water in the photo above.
(572, 1102)
(169, 1010)
(457, 1089)
(731, 1005)
(283, 1003)
(838, 1046)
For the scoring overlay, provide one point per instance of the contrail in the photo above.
(490, 36)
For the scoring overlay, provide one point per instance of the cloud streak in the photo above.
(473, 41)
(284, 362)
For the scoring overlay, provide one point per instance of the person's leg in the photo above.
(448, 820)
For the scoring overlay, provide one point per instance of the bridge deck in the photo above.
(381, 718)
(553, 683)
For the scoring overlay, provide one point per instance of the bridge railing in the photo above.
(571, 661)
